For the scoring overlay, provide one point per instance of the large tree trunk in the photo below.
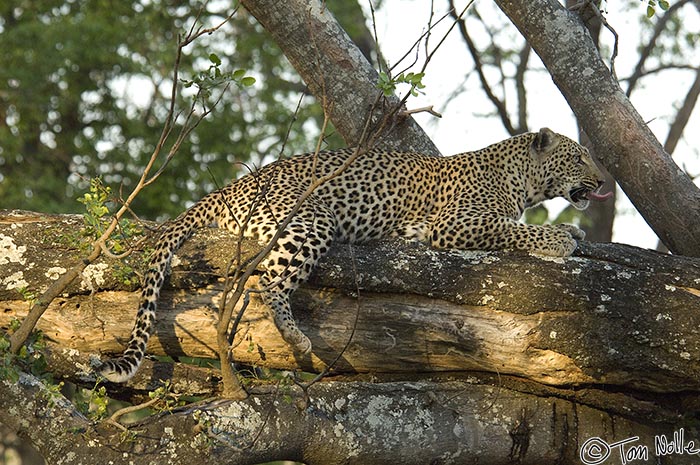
(664, 195)
(423, 422)
(481, 341)
(337, 72)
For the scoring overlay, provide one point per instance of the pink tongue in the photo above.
(599, 197)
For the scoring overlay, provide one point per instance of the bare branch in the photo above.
(662, 67)
(479, 65)
(131, 409)
(428, 109)
(523, 58)
(681, 119)
(645, 53)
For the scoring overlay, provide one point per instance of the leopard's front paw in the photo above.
(558, 240)
(575, 232)
(563, 247)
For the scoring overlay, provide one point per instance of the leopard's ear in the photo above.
(545, 140)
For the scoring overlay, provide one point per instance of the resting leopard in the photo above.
(471, 200)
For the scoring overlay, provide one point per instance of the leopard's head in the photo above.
(568, 169)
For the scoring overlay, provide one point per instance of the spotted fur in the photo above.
(471, 200)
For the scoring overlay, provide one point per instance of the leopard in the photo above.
(470, 201)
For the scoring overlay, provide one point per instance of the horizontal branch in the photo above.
(338, 423)
(504, 356)
(614, 315)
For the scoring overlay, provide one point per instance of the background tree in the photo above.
(84, 87)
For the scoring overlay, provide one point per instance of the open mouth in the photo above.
(583, 194)
(579, 194)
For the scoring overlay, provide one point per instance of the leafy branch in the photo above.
(215, 77)
(388, 84)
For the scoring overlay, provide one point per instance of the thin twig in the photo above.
(330, 366)
(130, 409)
(389, 116)
(416, 43)
(428, 109)
(593, 8)
(380, 62)
(294, 118)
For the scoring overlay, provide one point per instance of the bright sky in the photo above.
(463, 125)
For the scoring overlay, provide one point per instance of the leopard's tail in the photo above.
(204, 212)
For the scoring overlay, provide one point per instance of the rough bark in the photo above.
(465, 341)
(335, 70)
(338, 423)
(664, 195)
(418, 309)
(599, 216)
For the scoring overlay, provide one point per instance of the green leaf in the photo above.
(214, 58)
(650, 11)
(238, 74)
(15, 323)
(248, 81)
(386, 84)
(664, 4)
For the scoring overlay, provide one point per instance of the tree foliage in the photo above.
(84, 88)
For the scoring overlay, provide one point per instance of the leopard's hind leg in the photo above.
(291, 261)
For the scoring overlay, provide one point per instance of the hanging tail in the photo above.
(204, 212)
